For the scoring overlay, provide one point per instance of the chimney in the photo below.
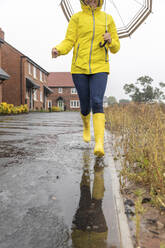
(2, 34)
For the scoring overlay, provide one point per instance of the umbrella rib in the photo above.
(135, 18)
(126, 30)
(142, 4)
(117, 11)
(70, 7)
(67, 8)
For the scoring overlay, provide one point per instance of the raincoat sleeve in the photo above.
(71, 35)
(114, 46)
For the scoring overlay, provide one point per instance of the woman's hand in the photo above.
(55, 53)
(107, 37)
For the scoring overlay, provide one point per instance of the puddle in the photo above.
(60, 196)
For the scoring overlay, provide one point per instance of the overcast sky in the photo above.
(35, 26)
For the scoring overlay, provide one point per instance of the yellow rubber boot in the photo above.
(99, 125)
(86, 130)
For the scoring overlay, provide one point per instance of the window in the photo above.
(29, 69)
(41, 98)
(41, 78)
(34, 72)
(73, 91)
(35, 95)
(44, 78)
(49, 103)
(74, 104)
(27, 94)
(60, 90)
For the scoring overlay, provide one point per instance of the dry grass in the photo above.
(139, 131)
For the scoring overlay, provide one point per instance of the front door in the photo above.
(60, 104)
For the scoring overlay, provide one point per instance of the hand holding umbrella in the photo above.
(107, 38)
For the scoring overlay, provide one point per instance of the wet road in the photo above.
(53, 192)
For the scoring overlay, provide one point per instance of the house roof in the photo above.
(60, 79)
(24, 56)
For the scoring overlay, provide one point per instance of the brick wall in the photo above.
(14, 89)
(11, 64)
(2, 34)
(0, 53)
(38, 104)
(0, 80)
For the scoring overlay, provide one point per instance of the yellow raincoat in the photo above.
(85, 32)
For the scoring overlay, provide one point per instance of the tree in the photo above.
(124, 101)
(111, 100)
(142, 90)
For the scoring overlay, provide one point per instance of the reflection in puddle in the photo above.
(89, 225)
(51, 166)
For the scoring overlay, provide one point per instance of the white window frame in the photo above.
(44, 78)
(29, 69)
(34, 72)
(49, 103)
(41, 76)
(27, 94)
(60, 90)
(74, 104)
(73, 91)
(41, 96)
(35, 94)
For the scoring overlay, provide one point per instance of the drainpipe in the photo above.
(21, 77)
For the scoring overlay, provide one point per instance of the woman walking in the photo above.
(87, 31)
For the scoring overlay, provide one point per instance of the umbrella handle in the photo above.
(103, 45)
(105, 42)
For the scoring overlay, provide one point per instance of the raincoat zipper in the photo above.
(90, 71)
(77, 53)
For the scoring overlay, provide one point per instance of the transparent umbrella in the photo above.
(128, 14)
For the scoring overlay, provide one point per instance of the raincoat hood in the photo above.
(86, 7)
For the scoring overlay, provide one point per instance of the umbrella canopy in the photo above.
(128, 14)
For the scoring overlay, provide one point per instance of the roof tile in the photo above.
(60, 79)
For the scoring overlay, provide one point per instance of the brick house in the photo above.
(3, 75)
(64, 92)
(28, 81)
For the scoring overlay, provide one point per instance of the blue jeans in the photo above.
(91, 89)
